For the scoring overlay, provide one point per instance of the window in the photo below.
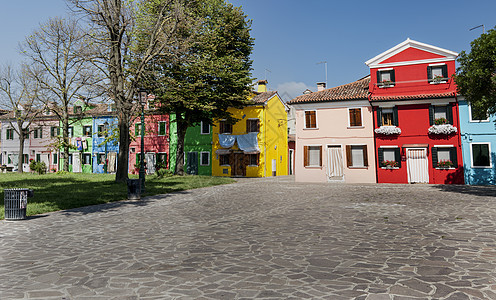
(38, 157)
(78, 109)
(137, 129)
(54, 131)
(437, 73)
(356, 156)
(444, 156)
(387, 116)
(9, 134)
(161, 160)
(477, 114)
(101, 130)
(55, 158)
(162, 128)
(310, 119)
(355, 115)
(225, 127)
(38, 133)
(71, 131)
(389, 156)
(100, 158)
(87, 158)
(254, 158)
(253, 125)
(87, 130)
(440, 114)
(25, 158)
(312, 156)
(224, 159)
(385, 78)
(205, 127)
(204, 158)
(481, 155)
(70, 159)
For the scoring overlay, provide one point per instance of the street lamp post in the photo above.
(106, 128)
(142, 95)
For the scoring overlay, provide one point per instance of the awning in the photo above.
(252, 152)
(222, 151)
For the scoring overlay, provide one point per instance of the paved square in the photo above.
(261, 238)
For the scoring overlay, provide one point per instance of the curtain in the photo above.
(335, 161)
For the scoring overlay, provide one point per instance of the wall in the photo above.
(194, 141)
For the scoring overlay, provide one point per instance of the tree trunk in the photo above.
(121, 174)
(65, 140)
(22, 137)
(182, 126)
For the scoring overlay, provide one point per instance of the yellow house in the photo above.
(257, 145)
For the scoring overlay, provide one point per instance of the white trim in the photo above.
(201, 128)
(330, 104)
(385, 69)
(361, 118)
(414, 62)
(208, 163)
(472, 156)
(470, 115)
(444, 146)
(158, 131)
(437, 65)
(389, 147)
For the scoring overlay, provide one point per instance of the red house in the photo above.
(156, 140)
(416, 121)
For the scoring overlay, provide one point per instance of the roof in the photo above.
(357, 90)
(262, 98)
(413, 97)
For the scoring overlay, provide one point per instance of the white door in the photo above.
(417, 165)
(44, 158)
(335, 163)
(150, 162)
(274, 167)
(76, 162)
(291, 161)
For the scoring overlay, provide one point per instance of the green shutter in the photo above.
(393, 79)
(380, 156)
(445, 71)
(397, 156)
(434, 157)
(162, 128)
(136, 129)
(379, 117)
(378, 76)
(395, 116)
(431, 115)
(453, 157)
(429, 73)
(449, 113)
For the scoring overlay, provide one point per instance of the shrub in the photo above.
(38, 166)
(164, 173)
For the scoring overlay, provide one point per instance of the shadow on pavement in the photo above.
(484, 191)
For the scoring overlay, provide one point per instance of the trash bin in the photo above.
(133, 189)
(16, 202)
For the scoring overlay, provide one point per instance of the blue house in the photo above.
(478, 135)
(105, 143)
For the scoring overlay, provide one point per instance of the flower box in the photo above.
(389, 164)
(445, 164)
(442, 129)
(388, 130)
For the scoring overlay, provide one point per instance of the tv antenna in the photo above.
(267, 70)
(483, 29)
(325, 64)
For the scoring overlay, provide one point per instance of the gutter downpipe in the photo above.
(457, 110)
(375, 145)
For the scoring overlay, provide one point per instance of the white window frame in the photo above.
(201, 160)
(470, 116)
(361, 118)
(472, 156)
(201, 128)
(392, 147)
(305, 120)
(158, 129)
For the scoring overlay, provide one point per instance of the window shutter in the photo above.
(358, 116)
(349, 160)
(431, 115)
(365, 156)
(320, 154)
(393, 79)
(453, 157)
(136, 129)
(434, 157)
(445, 71)
(305, 156)
(449, 113)
(379, 117)
(378, 76)
(429, 73)
(248, 123)
(395, 116)
(380, 156)
(41, 132)
(397, 156)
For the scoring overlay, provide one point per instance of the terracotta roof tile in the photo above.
(261, 98)
(413, 97)
(357, 90)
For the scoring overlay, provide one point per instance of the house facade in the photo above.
(257, 145)
(478, 136)
(198, 149)
(10, 144)
(43, 137)
(416, 115)
(334, 140)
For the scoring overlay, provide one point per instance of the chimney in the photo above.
(307, 91)
(262, 86)
(321, 86)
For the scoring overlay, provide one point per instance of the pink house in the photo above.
(334, 135)
(42, 141)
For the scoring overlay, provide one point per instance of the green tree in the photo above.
(475, 77)
(211, 72)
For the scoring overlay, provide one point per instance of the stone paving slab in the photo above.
(261, 238)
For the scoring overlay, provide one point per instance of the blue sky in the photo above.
(292, 36)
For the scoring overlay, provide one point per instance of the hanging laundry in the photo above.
(248, 143)
(226, 140)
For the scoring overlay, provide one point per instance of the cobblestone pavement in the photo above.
(261, 238)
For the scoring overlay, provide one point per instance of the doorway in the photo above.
(417, 165)
(239, 166)
(335, 163)
(192, 163)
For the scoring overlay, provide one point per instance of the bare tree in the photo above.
(59, 57)
(20, 95)
(116, 28)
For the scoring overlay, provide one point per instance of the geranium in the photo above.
(391, 163)
(445, 164)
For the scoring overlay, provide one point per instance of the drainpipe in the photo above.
(265, 140)
(457, 110)
(375, 145)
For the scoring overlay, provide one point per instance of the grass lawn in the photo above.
(54, 192)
